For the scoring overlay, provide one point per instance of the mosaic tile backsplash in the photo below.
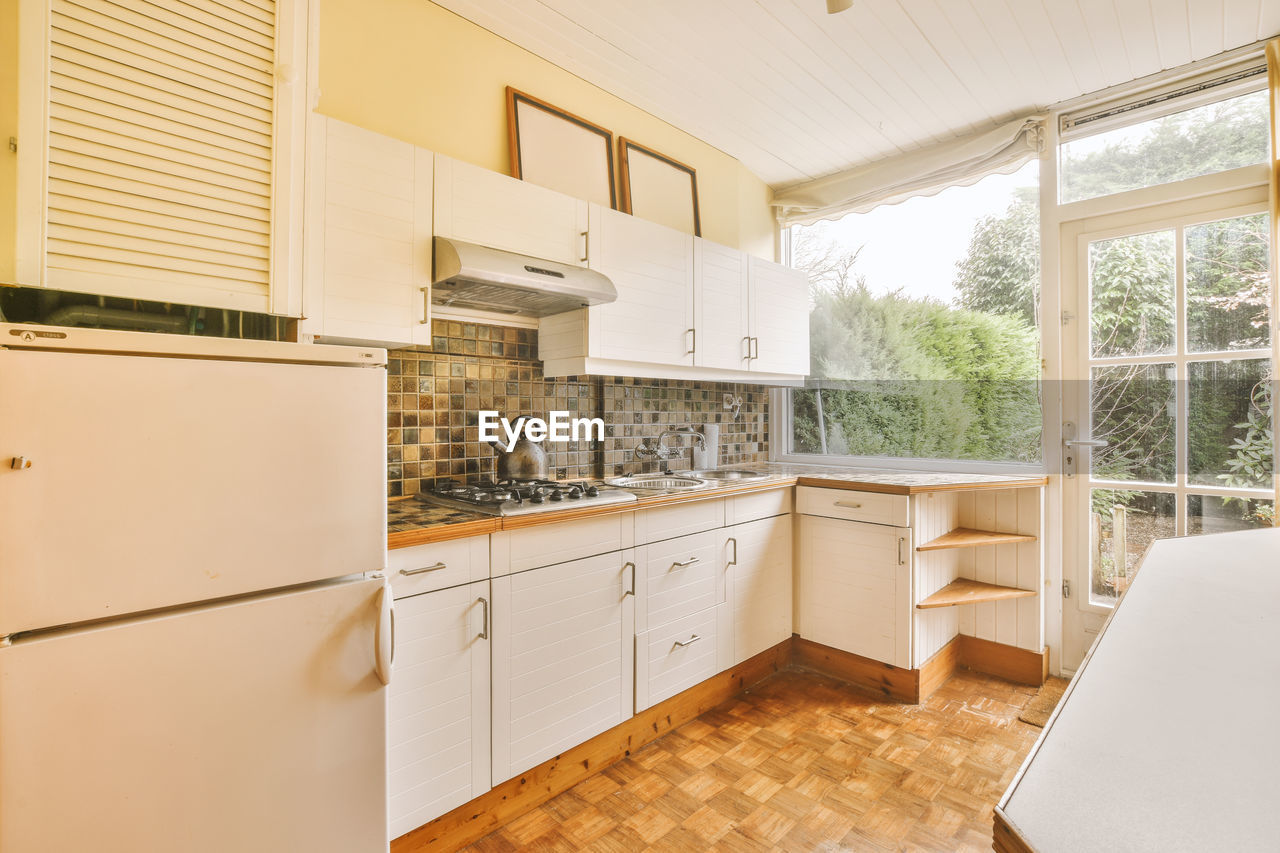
(434, 396)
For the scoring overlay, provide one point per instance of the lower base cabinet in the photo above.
(759, 583)
(563, 666)
(855, 588)
(682, 653)
(438, 731)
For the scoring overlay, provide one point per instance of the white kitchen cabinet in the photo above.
(676, 578)
(368, 237)
(477, 205)
(677, 655)
(162, 159)
(855, 588)
(721, 306)
(563, 657)
(438, 728)
(652, 268)
(779, 319)
(757, 556)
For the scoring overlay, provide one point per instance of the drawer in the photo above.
(680, 654)
(871, 507)
(757, 505)
(559, 542)
(668, 522)
(440, 565)
(679, 577)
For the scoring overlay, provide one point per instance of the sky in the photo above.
(915, 245)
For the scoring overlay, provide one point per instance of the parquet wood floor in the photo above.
(801, 762)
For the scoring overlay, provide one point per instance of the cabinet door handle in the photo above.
(384, 635)
(484, 629)
(755, 348)
(689, 642)
(747, 347)
(426, 305)
(902, 540)
(686, 563)
(734, 561)
(849, 504)
(693, 342)
(586, 247)
(632, 590)
(437, 567)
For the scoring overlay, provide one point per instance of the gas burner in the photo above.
(518, 497)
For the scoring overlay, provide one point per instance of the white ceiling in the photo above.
(795, 93)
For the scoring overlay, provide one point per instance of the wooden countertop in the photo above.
(1167, 739)
(414, 522)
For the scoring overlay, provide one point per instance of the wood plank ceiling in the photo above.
(795, 93)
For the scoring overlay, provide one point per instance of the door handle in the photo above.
(426, 305)
(1083, 442)
(384, 635)
(632, 590)
(755, 348)
(693, 342)
(686, 564)
(435, 568)
(734, 561)
(689, 642)
(747, 346)
(902, 540)
(484, 628)
(586, 247)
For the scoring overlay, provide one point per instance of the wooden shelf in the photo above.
(970, 592)
(964, 537)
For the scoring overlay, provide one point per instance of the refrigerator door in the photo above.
(257, 725)
(157, 481)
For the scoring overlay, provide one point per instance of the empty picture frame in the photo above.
(658, 188)
(556, 149)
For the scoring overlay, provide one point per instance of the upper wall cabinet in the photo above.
(652, 268)
(477, 205)
(368, 237)
(686, 308)
(160, 152)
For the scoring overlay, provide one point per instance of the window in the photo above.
(924, 333)
(1200, 141)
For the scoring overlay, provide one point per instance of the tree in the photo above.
(1001, 272)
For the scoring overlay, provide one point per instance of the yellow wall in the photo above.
(413, 70)
(8, 128)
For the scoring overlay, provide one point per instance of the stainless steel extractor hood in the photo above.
(471, 276)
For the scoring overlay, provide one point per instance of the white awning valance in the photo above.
(958, 162)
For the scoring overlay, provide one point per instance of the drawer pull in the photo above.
(849, 504)
(437, 567)
(689, 642)
(686, 564)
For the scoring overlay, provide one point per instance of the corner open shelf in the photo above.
(964, 537)
(964, 591)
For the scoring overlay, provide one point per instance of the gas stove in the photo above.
(521, 497)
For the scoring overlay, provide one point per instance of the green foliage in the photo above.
(1001, 272)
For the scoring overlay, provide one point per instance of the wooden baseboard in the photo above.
(1015, 664)
(902, 685)
(510, 799)
(939, 668)
(1006, 839)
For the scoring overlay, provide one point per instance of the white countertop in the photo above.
(1169, 737)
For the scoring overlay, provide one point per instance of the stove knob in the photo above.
(575, 492)
(557, 495)
(536, 498)
(592, 492)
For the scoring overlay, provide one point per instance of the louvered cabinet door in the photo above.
(172, 169)
(368, 237)
(438, 731)
(563, 660)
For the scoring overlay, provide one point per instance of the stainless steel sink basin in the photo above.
(735, 475)
(657, 481)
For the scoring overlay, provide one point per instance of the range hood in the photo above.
(471, 276)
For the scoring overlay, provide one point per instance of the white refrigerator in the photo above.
(194, 631)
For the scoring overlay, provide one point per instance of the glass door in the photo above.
(1168, 399)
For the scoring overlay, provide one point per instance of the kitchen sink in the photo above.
(657, 481)
(735, 475)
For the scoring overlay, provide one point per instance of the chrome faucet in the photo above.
(664, 451)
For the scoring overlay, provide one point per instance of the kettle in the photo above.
(526, 460)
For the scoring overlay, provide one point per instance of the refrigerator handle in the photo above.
(384, 637)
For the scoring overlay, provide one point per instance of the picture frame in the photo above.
(556, 149)
(658, 188)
